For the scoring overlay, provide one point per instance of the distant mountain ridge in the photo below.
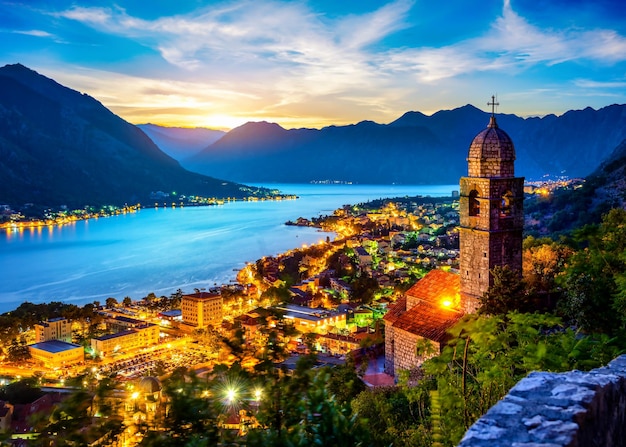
(181, 142)
(58, 146)
(414, 149)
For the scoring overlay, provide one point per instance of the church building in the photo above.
(491, 225)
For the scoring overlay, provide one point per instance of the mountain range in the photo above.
(181, 142)
(58, 146)
(414, 149)
(61, 147)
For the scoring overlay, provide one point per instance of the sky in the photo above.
(220, 64)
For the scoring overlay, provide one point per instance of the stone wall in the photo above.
(573, 409)
(405, 351)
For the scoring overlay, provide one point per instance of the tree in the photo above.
(299, 410)
(111, 303)
(127, 301)
(23, 391)
(18, 351)
(192, 418)
(507, 293)
(363, 289)
(543, 260)
(391, 417)
(594, 280)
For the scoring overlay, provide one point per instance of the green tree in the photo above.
(594, 280)
(299, 410)
(18, 351)
(391, 418)
(507, 293)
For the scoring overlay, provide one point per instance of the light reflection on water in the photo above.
(162, 250)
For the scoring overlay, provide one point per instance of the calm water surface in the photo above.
(162, 250)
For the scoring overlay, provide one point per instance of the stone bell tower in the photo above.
(491, 209)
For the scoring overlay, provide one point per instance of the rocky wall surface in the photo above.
(573, 409)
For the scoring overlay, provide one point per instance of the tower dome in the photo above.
(149, 385)
(491, 153)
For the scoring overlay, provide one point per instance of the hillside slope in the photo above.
(58, 146)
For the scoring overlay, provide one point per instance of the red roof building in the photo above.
(416, 325)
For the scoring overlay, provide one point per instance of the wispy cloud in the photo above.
(34, 32)
(512, 43)
(276, 58)
(591, 84)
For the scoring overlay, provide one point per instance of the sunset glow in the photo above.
(220, 64)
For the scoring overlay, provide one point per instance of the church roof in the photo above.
(396, 310)
(435, 286)
(492, 143)
(428, 321)
(421, 311)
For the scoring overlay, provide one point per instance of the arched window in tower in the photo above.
(507, 204)
(474, 204)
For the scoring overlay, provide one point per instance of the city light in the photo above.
(258, 392)
(231, 395)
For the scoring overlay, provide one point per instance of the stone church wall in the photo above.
(573, 409)
(405, 350)
(389, 348)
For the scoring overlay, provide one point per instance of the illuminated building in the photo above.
(202, 309)
(56, 353)
(54, 329)
(306, 319)
(137, 337)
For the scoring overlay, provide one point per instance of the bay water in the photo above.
(165, 249)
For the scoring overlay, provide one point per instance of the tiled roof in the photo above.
(427, 317)
(428, 321)
(396, 310)
(436, 285)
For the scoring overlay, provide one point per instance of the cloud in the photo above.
(511, 44)
(591, 84)
(280, 59)
(34, 32)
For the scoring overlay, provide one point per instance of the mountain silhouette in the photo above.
(61, 147)
(414, 149)
(181, 142)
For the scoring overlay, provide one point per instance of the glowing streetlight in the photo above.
(231, 394)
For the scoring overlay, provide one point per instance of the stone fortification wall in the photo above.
(573, 409)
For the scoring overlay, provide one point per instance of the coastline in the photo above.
(162, 251)
(67, 217)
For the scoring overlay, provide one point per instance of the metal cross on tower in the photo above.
(493, 105)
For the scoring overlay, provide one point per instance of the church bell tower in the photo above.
(491, 209)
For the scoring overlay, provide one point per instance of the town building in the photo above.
(307, 319)
(137, 337)
(491, 225)
(202, 309)
(53, 329)
(56, 353)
